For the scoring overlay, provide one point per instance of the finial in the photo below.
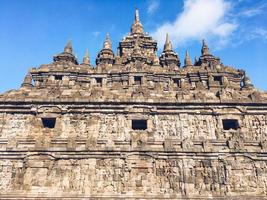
(187, 53)
(137, 19)
(167, 38)
(187, 60)
(137, 27)
(68, 47)
(168, 44)
(86, 58)
(107, 43)
(204, 42)
(205, 48)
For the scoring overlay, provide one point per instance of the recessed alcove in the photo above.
(98, 81)
(230, 124)
(58, 77)
(49, 122)
(139, 124)
(218, 79)
(177, 82)
(137, 80)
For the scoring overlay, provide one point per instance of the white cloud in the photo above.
(153, 6)
(259, 32)
(199, 19)
(251, 12)
(250, 33)
(224, 29)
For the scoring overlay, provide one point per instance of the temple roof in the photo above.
(136, 74)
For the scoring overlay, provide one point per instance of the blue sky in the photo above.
(32, 31)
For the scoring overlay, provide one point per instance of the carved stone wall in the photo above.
(133, 175)
(135, 126)
(117, 126)
(181, 154)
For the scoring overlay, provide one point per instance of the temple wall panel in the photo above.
(118, 126)
(37, 174)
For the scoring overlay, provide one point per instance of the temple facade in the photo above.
(134, 126)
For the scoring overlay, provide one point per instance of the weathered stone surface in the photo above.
(135, 126)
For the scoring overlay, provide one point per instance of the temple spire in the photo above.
(27, 80)
(86, 58)
(68, 48)
(106, 55)
(137, 19)
(66, 55)
(107, 43)
(206, 57)
(205, 48)
(137, 27)
(168, 56)
(168, 44)
(187, 60)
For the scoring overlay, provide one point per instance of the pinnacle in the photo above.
(137, 27)
(168, 44)
(204, 42)
(86, 58)
(187, 53)
(107, 43)
(86, 53)
(167, 38)
(137, 19)
(205, 48)
(187, 61)
(68, 47)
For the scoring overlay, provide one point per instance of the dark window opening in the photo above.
(230, 124)
(137, 80)
(49, 122)
(98, 81)
(58, 77)
(177, 82)
(138, 124)
(218, 79)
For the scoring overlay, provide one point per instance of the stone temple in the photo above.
(135, 126)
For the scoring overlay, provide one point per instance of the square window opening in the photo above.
(177, 82)
(49, 122)
(230, 124)
(137, 80)
(218, 79)
(58, 77)
(98, 81)
(138, 124)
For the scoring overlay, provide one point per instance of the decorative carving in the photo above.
(71, 131)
